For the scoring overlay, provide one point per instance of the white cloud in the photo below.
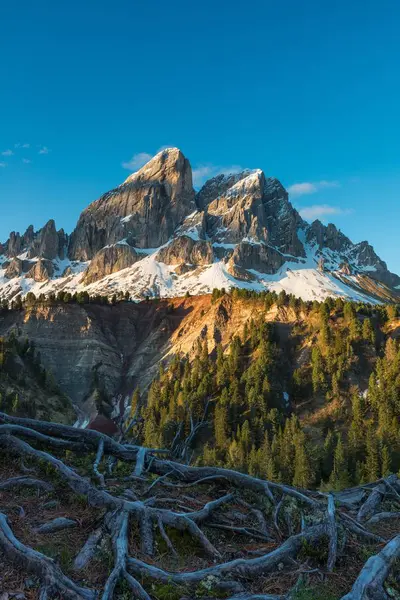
(22, 145)
(2, 165)
(319, 211)
(43, 150)
(26, 161)
(137, 161)
(311, 187)
(141, 158)
(203, 172)
(7, 153)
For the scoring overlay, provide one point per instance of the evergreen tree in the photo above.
(303, 473)
(339, 478)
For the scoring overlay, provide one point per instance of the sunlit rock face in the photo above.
(145, 210)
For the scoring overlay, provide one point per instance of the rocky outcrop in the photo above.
(345, 268)
(194, 226)
(47, 243)
(257, 209)
(184, 249)
(366, 259)
(353, 257)
(110, 260)
(327, 237)
(42, 270)
(14, 268)
(218, 186)
(13, 245)
(145, 210)
(240, 272)
(257, 257)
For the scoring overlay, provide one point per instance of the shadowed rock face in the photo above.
(15, 268)
(110, 260)
(256, 256)
(365, 256)
(361, 255)
(257, 208)
(145, 210)
(328, 237)
(47, 243)
(186, 250)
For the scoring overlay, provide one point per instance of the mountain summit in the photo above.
(154, 236)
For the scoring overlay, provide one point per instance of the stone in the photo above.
(185, 250)
(14, 268)
(345, 268)
(42, 270)
(110, 260)
(46, 243)
(258, 257)
(327, 237)
(67, 272)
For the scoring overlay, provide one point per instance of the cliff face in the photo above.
(118, 347)
(145, 210)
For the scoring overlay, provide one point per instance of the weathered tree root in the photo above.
(383, 516)
(51, 576)
(120, 545)
(369, 584)
(371, 504)
(241, 567)
(88, 550)
(151, 514)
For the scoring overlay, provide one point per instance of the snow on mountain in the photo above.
(153, 236)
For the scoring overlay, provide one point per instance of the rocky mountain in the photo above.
(154, 236)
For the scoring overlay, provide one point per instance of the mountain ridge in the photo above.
(153, 235)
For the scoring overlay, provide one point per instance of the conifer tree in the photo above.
(339, 478)
(303, 473)
(372, 463)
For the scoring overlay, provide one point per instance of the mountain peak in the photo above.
(153, 236)
(165, 159)
(145, 210)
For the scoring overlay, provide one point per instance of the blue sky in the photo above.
(308, 91)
